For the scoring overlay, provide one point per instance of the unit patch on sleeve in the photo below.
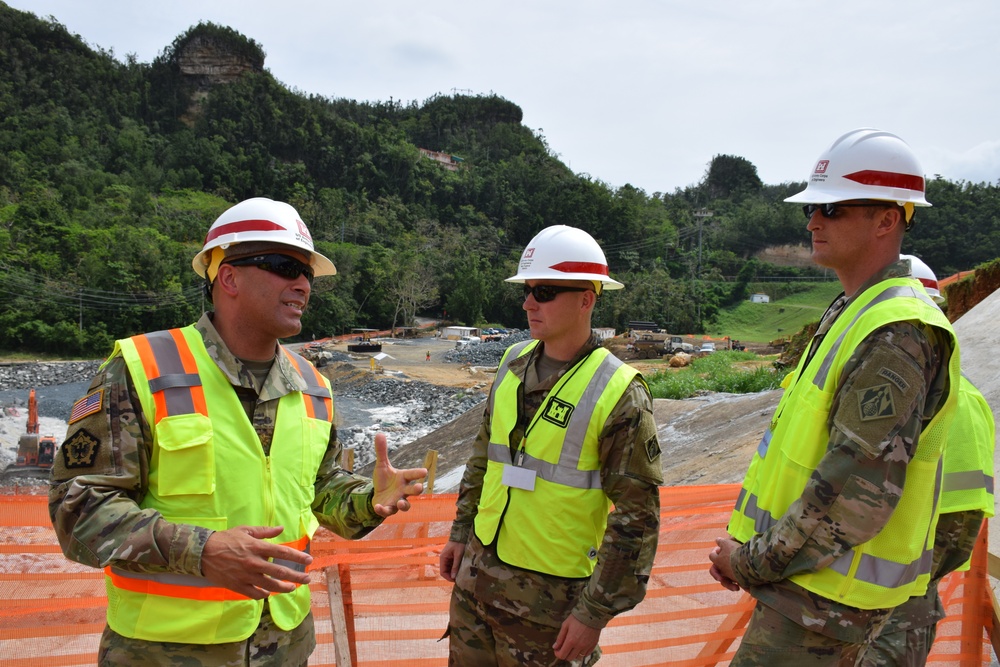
(876, 402)
(80, 451)
(87, 405)
(557, 412)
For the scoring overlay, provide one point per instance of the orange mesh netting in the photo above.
(390, 607)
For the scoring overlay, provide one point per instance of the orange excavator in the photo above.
(34, 450)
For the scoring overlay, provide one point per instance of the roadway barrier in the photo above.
(383, 601)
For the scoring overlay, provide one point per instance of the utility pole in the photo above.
(700, 214)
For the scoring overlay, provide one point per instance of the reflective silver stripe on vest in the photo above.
(565, 472)
(503, 369)
(968, 480)
(576, 430)
(315, 390)
(174, 382)
(889, 293)
(550, 472)
(764, 443)
(884, 573)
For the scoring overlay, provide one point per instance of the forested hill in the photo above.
(112, 170)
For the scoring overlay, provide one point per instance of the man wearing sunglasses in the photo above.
(202, 460)
(834, 525)
(540, 566)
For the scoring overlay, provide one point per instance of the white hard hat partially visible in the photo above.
(865, 164)
(564, 253)
(923, 273)
(261, 220)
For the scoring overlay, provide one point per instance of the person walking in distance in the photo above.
(831, 527)
(202, 460)
(539, 564)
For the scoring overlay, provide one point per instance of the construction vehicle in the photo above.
(363, 342)
(34, 450)
(655, 345)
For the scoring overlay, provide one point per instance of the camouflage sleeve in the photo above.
(343, 501)
(98, 480)
(954, 539)
(858, 482)
(631, 471)
(471, 488)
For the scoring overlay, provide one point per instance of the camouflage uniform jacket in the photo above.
(857, 484)
(94, 498)
(630, 473)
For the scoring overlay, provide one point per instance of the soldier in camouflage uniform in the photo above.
(967, 498)
(508, 609)
(102, 501)
(891, 380)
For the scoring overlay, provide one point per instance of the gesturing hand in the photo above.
(239, 559)
(392, 486)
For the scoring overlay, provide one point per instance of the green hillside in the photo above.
(782, 317)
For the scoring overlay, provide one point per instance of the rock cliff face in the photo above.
(206, 62)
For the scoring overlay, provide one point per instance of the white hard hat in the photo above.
(261, 220)
(923, 273)
(865, 164)
(564, 253)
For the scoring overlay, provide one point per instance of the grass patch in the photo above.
(717, 372)
(763, 322)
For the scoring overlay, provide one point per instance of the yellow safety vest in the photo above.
(208, 469)
(895, 564)
(557, 525)
(968, 455)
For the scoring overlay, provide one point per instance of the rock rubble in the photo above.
(28, 375)
(485, 354)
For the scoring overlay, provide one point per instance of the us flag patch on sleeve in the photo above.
(87, 405)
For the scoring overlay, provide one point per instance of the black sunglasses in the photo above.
(282, 265)
(830, 210)
(546, 293)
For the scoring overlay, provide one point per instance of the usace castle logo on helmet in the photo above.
(526, 258)
(821, 166)
(303, 232)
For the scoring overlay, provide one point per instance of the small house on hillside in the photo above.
(759, 298)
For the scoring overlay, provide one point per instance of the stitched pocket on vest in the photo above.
(186, 452)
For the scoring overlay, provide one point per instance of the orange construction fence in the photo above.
(380, 601)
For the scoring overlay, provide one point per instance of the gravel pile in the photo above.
(485, 354)
(27, 375)
(409, 410)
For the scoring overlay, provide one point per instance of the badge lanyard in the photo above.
(514, 475)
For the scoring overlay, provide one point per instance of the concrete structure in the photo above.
(456, 333)
(760, 298)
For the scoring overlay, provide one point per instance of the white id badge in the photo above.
(518, 478)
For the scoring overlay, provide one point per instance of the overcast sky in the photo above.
(644, 92)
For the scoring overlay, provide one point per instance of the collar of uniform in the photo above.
(530, 378)
(898, 269)
(283, 378)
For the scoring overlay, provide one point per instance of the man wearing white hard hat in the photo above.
(966, 499)
(202, 460)
(540, 566)
(833, 527)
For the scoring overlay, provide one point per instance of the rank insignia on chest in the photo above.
(80, 451)
(558, 412)
(876, 403)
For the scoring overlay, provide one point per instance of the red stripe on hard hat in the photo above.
(243, 226)
(580, 267)
(888, 179)
(927, 282)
